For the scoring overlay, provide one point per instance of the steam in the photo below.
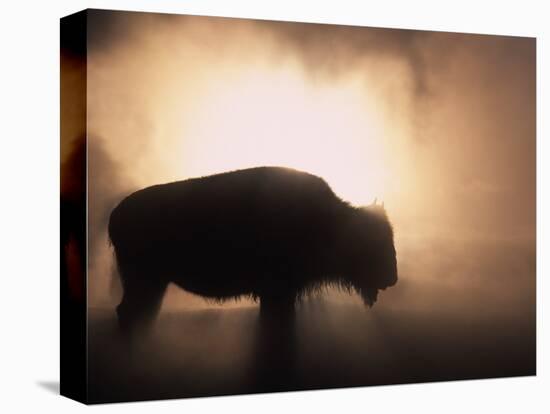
(452, 117)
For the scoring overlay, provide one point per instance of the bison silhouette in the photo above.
(270, 233)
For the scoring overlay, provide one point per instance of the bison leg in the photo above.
(275, 352)
(277, 307)
(140, 303)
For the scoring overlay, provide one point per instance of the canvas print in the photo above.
(255, 206)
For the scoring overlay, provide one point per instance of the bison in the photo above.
(273, 234)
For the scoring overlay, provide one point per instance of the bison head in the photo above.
(370, 259)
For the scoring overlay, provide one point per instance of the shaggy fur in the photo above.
(270, 233)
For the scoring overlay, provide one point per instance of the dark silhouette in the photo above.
(270, 233)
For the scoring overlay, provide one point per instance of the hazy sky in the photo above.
(440, 126)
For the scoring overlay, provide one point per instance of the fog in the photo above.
(440, 126)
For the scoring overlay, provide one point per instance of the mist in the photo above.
(440, 126)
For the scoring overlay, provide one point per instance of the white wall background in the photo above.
(29, 259)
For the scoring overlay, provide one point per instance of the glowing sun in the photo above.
(261, 116)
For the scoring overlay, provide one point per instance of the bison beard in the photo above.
(270, 233)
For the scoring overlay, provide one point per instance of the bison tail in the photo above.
(115, 285)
